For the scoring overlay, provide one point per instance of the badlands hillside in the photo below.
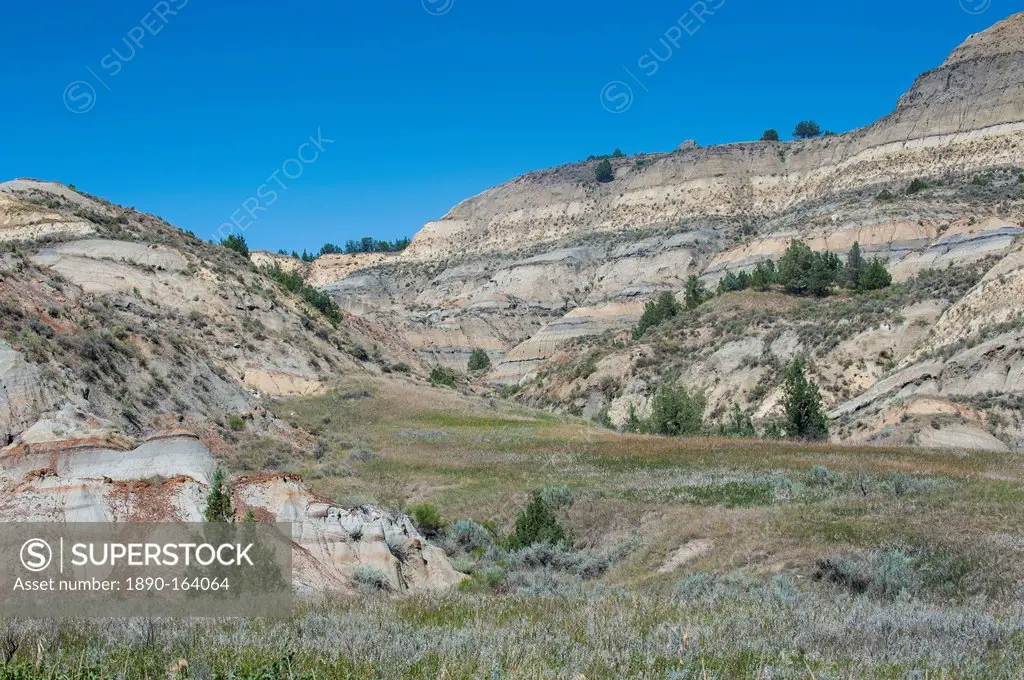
(136, 359)
(548, 272)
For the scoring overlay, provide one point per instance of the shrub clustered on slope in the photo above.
(801, 271)
(294, 283)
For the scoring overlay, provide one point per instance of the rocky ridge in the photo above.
(131, 353)
(555, 260)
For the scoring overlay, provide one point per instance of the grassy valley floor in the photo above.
(704, 558)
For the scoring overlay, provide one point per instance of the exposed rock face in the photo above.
(144, 325)
(22, 220)
(993, 302)
(21, 393)
(330, 268)
(965, 115)
(331, 542)
(123, 341)
(555, 257)
(166, 479)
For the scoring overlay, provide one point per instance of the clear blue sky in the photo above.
(426, 108)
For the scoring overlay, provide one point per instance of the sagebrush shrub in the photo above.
(469, 535)
(371, 578)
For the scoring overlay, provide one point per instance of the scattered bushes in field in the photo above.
(321, 449)
(731, 626)
(441, 376)
(540, 570)
(886, 574)
(937, 572)
(820, 476)
(537, 558)
(478, 361)
(557, 496)
(711, 588)
(901, 484)
(361, 456)
(561, 558)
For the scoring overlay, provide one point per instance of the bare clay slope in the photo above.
(118, 314)
(135, 359)
(524, 268)
(965, 115)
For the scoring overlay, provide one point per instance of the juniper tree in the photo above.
(677, 413)
(764, 276)
(218, 500)
(806, 129)
(854, 265)
(478, 361)
(656, 312)
(537, 524)
(236, 242)
(875, 276)
(805, 416)
(696, 292)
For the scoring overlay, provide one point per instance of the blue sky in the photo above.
(192, 105)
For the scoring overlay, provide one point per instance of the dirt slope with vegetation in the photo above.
(135, 359)
(606, 555)
(543, 272)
